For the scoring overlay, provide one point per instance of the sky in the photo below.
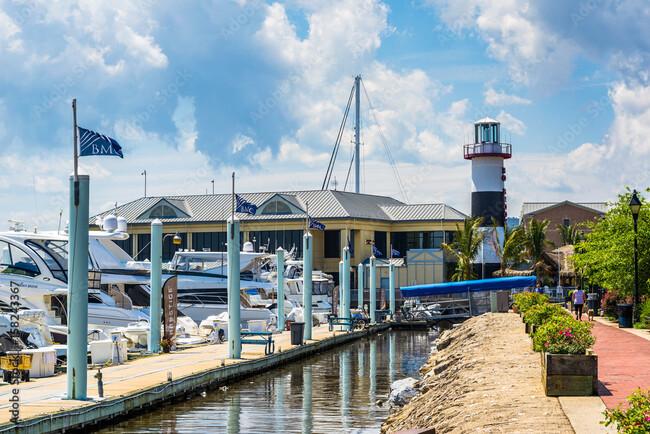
(196, 90)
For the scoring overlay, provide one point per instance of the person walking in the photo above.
(578, 302)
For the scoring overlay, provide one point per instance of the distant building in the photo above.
(415, 231)
(561, 213)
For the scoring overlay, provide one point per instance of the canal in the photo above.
(336, 391)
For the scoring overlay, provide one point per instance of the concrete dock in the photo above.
(145, 382)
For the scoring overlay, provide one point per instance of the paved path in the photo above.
(623, 361)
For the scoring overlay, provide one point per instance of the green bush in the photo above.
(643, 315)
(541, 313)
(525, 300)
(563, 335)
(636, 419)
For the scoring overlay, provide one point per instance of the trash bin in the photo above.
(625, 315)
(297, 332)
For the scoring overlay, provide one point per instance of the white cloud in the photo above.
(142, 47)
(240, 142)
(492, 97)
(511, 124)
(8, 32)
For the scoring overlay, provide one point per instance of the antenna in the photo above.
(58, 230)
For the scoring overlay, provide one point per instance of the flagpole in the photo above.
(232, 227)
(76, 153)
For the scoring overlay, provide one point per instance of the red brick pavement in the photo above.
(623, 363)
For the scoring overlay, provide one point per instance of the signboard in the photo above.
(170, 306)
(383, 298)
(335, 300)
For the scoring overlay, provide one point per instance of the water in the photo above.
(332, 392)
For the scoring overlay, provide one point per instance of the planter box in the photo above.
(531, 328)
(570, 375)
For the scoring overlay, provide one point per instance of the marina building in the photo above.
(564, 213)
(415, 232)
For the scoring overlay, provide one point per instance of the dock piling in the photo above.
(155, 294)
(373, 288)
(307, 286)
(77, 369)
(234, 302)
(280, 282)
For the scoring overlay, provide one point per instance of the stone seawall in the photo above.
(483, 377)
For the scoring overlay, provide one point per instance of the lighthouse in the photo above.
(488, 154)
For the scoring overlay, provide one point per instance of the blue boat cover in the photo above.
(468, 285)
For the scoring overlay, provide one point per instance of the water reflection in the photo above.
(331, 392)
(306, 400)
(234, 410)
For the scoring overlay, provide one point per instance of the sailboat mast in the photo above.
(357, 157)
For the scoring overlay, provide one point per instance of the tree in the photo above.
(607, 254)
(569, 235)
(536, 242)
(465, 247)
(513, 251)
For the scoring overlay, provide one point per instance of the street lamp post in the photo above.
(635, 207)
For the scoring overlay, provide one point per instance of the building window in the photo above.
(272, 240)
(163, 211)
(332, 244)
(276, 207)
(567, 223)
(144, 247)
(209, 241)
(380, 243)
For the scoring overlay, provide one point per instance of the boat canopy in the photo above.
(468, 285)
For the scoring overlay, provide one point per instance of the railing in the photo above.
(487, 149)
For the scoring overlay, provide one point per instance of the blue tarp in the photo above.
(468, 285)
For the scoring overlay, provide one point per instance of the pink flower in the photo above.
(647, 418)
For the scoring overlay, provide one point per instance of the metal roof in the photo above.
(420, 212)
(486, 120)
(323, 204)
(534, 207)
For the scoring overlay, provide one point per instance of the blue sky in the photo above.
(195, 90)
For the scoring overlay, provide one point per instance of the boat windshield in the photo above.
(55, 255)
(322, 287)
(14, 260)
(197, 263)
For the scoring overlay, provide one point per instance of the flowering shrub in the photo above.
(636, 419)
(166, 344)
(609, 302)
(563, 335)
(541, 313)
(525, 300)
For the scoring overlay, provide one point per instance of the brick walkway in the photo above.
(623, 363)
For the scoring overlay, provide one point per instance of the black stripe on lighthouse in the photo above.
(489, 205)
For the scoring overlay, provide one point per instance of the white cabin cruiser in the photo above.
(35, 264)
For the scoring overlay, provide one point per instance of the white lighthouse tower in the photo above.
(487, 154)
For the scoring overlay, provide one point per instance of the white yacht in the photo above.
(203, 285)
(36, 264)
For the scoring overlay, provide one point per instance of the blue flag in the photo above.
(315, 224)
(376, 252)
(394, 252)
(92, 143)
(243, 206)
(350, 247)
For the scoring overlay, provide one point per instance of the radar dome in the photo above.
(110, 223)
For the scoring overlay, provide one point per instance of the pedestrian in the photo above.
(578, 302)
(538, 289)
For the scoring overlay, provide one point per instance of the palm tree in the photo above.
(513, 251)
(569, 235)
(536, 242)
(465, 247)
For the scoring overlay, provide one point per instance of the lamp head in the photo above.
(177, 239)
(635, 205)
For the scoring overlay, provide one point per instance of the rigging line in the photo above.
(330, 167)
(349, 170)
(400, 184)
